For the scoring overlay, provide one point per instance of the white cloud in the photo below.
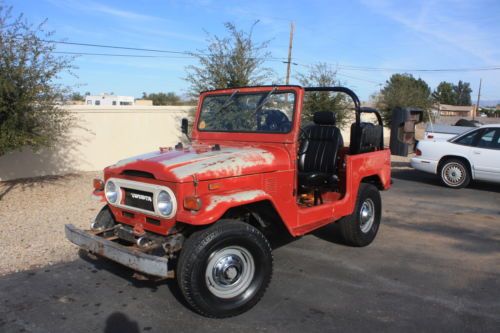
(95, 7)
(434, 20)
(92, 6)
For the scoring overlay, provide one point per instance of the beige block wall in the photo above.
(101, 137)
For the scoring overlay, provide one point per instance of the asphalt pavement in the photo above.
(435, 266)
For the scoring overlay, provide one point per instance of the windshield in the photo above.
(266, 112)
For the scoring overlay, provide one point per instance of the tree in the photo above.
(163, 99)
(445, 93)
(29, 94)
(323, 75)
(403, 90)
(449, 93)
(232, 61)
(76, 96)
(462, 91)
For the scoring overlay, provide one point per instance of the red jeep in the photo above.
(205, 211)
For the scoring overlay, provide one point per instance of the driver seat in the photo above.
(318, 155)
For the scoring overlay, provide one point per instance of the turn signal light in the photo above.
(192, 203)
(214, 186)
(418, 152)
(98, 184)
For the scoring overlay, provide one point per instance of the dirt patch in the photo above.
(32, 216)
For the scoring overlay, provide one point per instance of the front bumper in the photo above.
(131, 257)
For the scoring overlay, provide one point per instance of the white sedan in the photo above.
(471, 155)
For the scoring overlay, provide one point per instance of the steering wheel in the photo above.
(273, 121)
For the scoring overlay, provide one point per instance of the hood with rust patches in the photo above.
(181, 166)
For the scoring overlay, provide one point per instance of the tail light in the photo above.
(430, 136)
(418, 152)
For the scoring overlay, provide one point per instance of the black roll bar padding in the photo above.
(366, 109)
(347, 91)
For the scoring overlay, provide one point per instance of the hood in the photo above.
(205, 163)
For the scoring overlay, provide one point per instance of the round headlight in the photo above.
(111, 192)
(164, 203)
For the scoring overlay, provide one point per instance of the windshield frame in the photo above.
(244, 92)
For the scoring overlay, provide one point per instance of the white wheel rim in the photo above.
(453, 174)
(229, 272)
(367, 215)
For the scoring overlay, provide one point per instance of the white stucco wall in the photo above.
(103, 135)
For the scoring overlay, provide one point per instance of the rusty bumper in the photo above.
(127, 256)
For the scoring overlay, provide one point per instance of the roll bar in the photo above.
(355, 99)
(357, 107)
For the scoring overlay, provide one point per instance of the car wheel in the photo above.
(455, 173)
(360, 228)
(225, 269)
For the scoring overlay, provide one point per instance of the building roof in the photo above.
(455, 108)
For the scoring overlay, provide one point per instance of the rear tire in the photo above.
(224, 269)
(455, 173)
(360, 228)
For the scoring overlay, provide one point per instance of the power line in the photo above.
(194, 54)
(381, 69)
(124, 55)
(188, 53)
(142, 56)
(116, 47)
(359, 79)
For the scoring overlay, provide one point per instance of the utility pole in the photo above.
(478, 99)
(289, 62)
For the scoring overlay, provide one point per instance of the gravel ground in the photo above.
(32, 216)
(34, 237)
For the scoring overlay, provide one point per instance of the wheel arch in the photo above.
(445, 158)
(262, 214)
(374, 180)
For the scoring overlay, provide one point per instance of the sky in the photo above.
(353, 37)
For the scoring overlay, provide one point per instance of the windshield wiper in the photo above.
(227, 102)
(264, 100)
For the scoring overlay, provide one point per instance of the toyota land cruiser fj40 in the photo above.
(205, 210)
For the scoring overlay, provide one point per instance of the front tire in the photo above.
(360, 228)
(225, 269)
(455, 173)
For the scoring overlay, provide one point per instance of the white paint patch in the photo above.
(234, 198)
(136, 158)
(229, 161)
(189, 157)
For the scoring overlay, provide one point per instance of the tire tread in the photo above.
(194, 246)
(349, 228)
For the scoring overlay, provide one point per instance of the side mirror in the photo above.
(184, 125)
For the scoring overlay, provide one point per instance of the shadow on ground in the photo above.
(430, 179)
(27, 183)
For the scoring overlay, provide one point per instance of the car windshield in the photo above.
(266, 112)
